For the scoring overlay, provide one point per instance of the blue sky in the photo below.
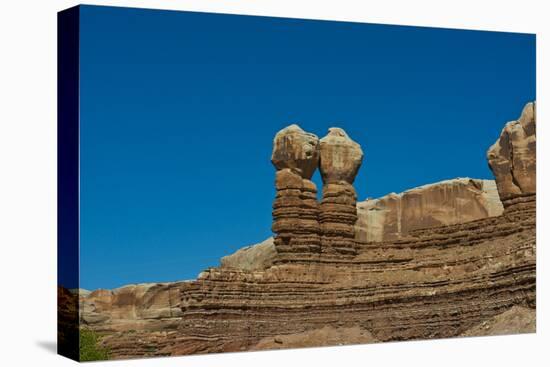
(178, 113)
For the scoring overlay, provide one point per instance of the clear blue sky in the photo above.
(178, 113)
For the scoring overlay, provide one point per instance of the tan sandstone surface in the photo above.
(392, 216)
(295, 209)
(443, 203)
(512, 157)
(256, 257)
(325, 287)
(517, 320)
(339, 163)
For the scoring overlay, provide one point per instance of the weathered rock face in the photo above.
(297, 150)
(472, 278)
(437, 282)
(340, 160)
(513, 158)
(392, 216)
(517, 320)
(131, 307)
(256, 257)
(325, 336)
(443, 203)
(295, 209)
(341, 157)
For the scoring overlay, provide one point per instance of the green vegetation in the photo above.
(90, 349)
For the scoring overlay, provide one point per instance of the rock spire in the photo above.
(295, 209)
(339, 163)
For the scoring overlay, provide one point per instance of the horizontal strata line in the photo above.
(490, 263)
(401, 297)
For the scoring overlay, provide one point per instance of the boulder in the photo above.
(297, 150)
(341, 157)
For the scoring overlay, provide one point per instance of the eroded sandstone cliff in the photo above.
(449, 280)
(439, 282)
(447, 202)
(392, 216)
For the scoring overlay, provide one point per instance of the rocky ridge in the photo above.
(392, 216)
(446, 280)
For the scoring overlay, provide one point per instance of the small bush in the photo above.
(90, 349)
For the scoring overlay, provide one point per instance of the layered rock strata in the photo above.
(392, 216)
(339, 163)
(437, 282)
(512, 159)
(472, 278)
(443, 203)
(256, 257)
(295, 209)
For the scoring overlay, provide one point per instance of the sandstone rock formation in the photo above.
(471, 278)
(297, 150)
(131, 307)
(256, 257)
(517, 320)
(295, 209)
(443, 203)
(392, 216)
(341, 157)
(339, 163)
(325, 336)
(436, 282)
(513, 158)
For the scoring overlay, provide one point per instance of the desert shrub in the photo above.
(90, 349)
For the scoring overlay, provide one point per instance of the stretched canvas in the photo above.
(233, 183)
